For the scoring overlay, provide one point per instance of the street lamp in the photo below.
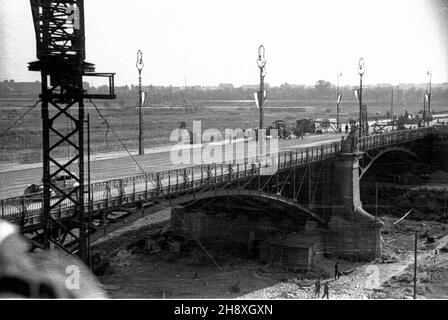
(337, 105)
(139, 64)
(428, 116)
(361, 71)
(261, 61)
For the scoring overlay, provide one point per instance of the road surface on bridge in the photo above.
(14, 180)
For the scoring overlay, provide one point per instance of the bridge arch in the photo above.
(203, 195)
(382, 153)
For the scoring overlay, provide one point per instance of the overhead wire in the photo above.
(20, 118)
(117, 137)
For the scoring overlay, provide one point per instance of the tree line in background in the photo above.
(322, 91)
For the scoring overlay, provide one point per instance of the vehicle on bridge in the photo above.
(284, 130)
(322, 125)
(64, 182)
(288, 130)
(306, 125)
(34, 192)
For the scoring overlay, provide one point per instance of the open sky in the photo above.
(212, 42)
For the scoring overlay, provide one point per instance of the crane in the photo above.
(60, 45)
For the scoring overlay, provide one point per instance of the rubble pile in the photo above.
(438, 176)
(426, 202)
(100, 264)
(157, 241)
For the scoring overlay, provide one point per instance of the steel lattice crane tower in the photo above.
(60, 41)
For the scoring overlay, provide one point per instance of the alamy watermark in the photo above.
(73, 16)
(72, 282)
(373, 277)
(235, 146)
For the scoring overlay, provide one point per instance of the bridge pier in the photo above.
(279, 239)
(439, 153)
(353, 233)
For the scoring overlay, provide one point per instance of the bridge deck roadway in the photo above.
(14, 178)
(127, 186)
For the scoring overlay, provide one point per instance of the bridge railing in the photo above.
(391, 138)
(116, 192)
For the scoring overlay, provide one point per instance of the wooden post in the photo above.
(133, 189)
(238, 174)
(146, 187)
(415, 266)
(294, 183)
(169, 187)
(250, 246)
(121, 190)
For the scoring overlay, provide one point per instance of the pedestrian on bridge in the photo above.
(326, 293)
(346, 128)
(317, 288)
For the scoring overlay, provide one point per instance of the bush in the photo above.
(405, 278)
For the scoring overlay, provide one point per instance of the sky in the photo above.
(208, 42)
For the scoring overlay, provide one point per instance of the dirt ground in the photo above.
(224, 271)
(432, 268)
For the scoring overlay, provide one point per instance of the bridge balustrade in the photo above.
(386, 139)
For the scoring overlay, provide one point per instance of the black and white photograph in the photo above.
(224, 156)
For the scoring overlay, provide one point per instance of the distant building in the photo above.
(384, 85)
(250, 87)
(226, 86)
(11, 88)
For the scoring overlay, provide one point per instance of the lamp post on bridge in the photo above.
(261, 61)
(338, 101)
(428, 98)
(361, 71)
(139, 64)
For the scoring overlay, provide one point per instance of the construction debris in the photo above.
(236, 287)
(156, 241)
(100, 264)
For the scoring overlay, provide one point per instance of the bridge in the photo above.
(307, 190)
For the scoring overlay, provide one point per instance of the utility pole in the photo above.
(261, 96)
(89, 197)
(376, 215)
(337, 105)
(376, 202)
(415, 266)
(140, 65)
(425, 116)
(392, 104)
(361, 71)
